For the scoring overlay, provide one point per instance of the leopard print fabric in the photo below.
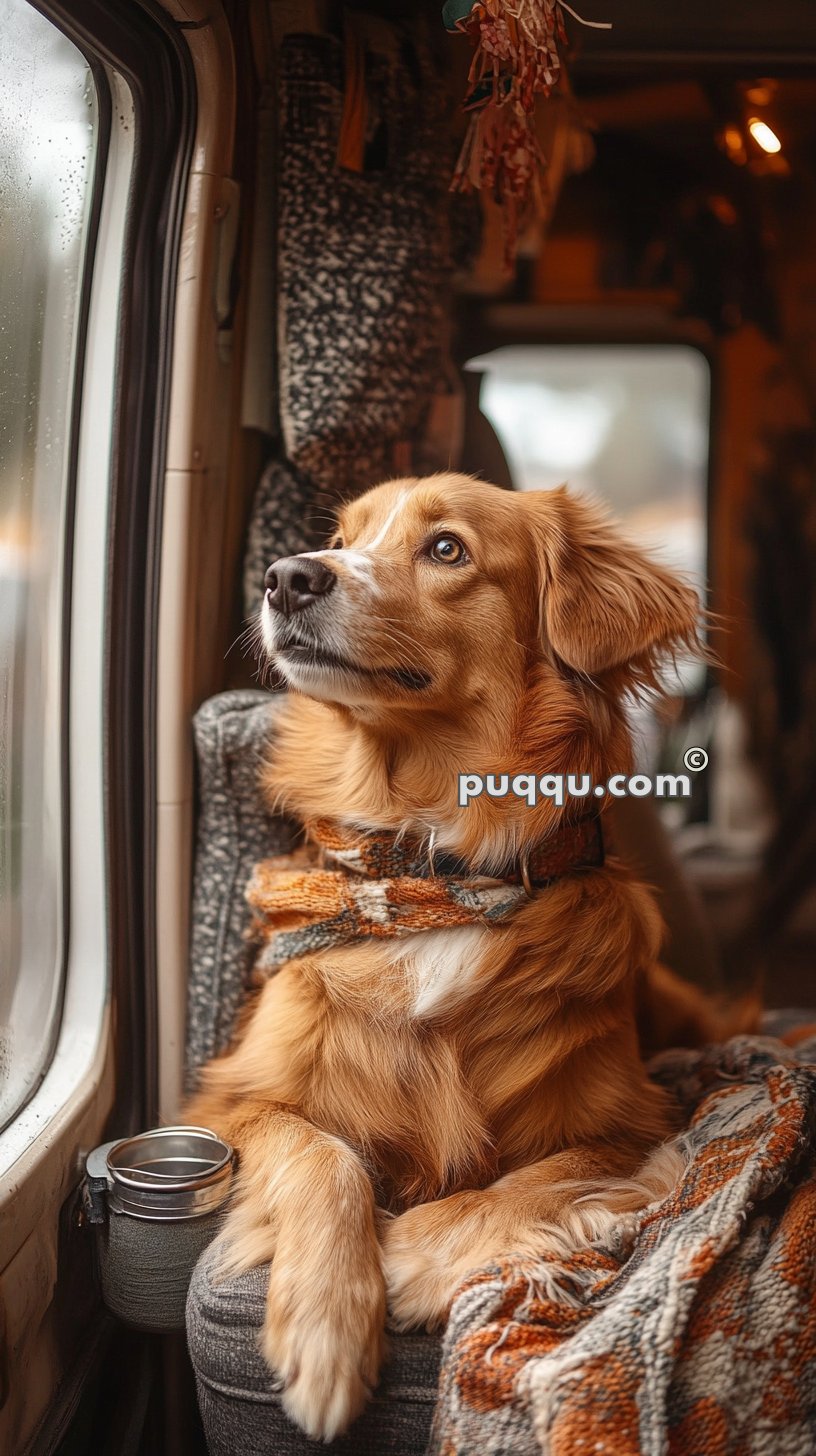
(363, 263)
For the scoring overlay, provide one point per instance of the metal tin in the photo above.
(169, 1173)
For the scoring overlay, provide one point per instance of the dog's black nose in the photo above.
(295, 581)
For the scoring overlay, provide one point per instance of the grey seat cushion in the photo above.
(232, 732)
(239, 1404)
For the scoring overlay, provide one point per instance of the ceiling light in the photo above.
(732, 141)
(763, 136)
(761, 93)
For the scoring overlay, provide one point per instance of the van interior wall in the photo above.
(630, 236)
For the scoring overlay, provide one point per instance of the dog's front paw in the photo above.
(326, 1351)
(427, 1254)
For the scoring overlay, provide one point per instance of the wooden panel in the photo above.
(752, 29)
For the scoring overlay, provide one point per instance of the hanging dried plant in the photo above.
(517, 57)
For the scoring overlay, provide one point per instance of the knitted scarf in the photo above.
(690, 1329)
(353, 883)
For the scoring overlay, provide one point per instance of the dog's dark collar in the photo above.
(572, 846)
(383, 854)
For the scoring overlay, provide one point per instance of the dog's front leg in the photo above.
(306, 1201)
(554, 1205)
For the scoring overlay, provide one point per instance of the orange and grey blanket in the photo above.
(352, 883)
(692, 1331)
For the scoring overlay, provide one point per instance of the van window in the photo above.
(630, 425)
(627, 423)
(48, 132)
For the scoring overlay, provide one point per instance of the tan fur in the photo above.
(383, 1148)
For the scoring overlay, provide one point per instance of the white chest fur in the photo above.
(441, 965)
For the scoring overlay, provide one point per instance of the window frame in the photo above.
(141, 49)
(104, 1067)
(148, 49)
(79, 349)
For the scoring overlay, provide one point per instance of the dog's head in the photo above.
(445, 594)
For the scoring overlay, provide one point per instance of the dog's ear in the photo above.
(605, 604)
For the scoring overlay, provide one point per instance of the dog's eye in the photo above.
(447, 549)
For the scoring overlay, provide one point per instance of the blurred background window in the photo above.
(627, 424)
(48, 130)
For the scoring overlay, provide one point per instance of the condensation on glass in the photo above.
(48, 127)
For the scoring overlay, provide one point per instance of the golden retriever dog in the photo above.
(406, 1109)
